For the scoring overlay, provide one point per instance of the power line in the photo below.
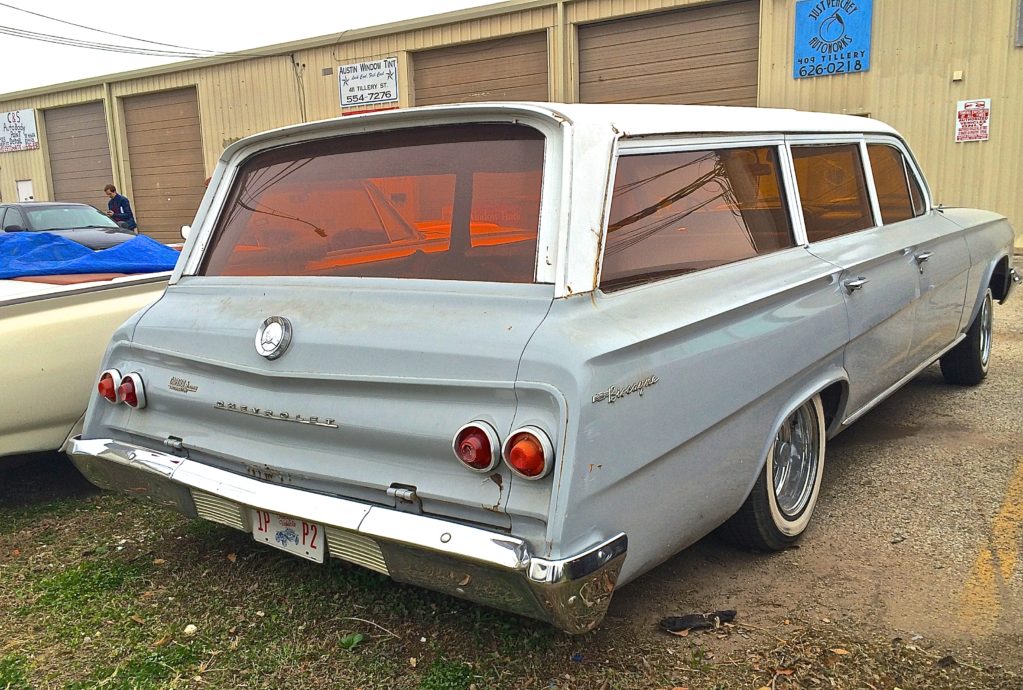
(77, 43)
(108, 33)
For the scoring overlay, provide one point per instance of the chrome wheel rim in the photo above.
(985, 331)
(796, 461)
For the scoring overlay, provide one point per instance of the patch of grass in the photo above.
(151, 668)
(85, 582)
(447, 675)
(12, 673)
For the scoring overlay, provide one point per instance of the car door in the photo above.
(878, 277)
(937, 246)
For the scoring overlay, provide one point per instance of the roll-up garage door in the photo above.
(165, 154)
(705, 55)
(79, 152)
(513, 68)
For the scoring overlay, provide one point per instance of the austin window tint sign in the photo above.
(832, 37)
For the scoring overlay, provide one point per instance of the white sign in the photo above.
(973, 119)
(18, 131)
(365, 83)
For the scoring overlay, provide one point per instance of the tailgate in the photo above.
(378, 377)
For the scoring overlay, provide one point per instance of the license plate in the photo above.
(305, 539)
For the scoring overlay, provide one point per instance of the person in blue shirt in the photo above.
(119, 208)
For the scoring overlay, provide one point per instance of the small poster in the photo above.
(832, 37)
(18, 131)
(365, 83)
(973, 120)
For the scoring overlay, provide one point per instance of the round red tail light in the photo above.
(529, 453)
(131, 391)
(475, 445)
(109, 381)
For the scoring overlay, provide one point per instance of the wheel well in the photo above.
(1000, 280)
(832, 398)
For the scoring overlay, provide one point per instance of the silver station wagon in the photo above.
(522, 353)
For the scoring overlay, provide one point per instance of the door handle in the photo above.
(922, 257)
(854, 284)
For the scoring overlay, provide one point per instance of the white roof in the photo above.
(622, 119)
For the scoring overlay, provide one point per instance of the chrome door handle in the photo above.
(854, 284)
(922, 257)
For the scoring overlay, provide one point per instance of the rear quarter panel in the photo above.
(725, 354)
(989, 239)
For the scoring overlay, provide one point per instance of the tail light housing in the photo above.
(109, 381)
(132, 392)
(477, 447)
(529, 453)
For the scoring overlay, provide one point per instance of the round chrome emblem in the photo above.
(273, 337)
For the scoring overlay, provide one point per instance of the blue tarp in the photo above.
(42, 254)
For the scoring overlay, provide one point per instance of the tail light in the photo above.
(529, 453)
(476, 445)
(131, 391)
(109, 381)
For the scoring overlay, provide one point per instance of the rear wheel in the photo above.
(966, 364)
(779, 507)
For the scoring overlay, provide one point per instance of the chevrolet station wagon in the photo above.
(521, 353)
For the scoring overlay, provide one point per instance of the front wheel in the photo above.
(966, 364)
(779, 507)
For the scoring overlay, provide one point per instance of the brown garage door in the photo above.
(706, 55)
(79, 151)
(513, 68)
(165, 154)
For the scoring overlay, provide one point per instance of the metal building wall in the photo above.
(916, 46)
(33, 165)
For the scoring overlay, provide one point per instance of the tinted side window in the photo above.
(672, 213)
(898, 193)
(832, 190)
(14, 217)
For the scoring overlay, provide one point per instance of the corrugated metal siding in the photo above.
(503, 69)
(702, 55)
(165, 151)
(79, 153)
(32, 165)
(915, 50)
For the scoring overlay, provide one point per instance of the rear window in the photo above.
(449, 203)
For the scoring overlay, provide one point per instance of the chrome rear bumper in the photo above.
(486, 567)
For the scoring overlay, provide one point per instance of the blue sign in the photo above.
(832, 37)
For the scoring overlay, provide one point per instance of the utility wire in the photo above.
(108, 33)
(63, 40)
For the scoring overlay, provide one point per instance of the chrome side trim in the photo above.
(899, 384)
(486, 567)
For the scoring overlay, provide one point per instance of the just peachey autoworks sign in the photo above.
(18, 131)
(832, 37)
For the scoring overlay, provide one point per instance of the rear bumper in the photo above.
(485, 567)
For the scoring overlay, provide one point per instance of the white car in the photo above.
(53, 331)
(523, 353)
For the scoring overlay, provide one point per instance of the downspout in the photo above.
(113, 141)
(300, 86)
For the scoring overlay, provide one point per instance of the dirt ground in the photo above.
(918, 534)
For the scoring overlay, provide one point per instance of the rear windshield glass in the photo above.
(449, 203)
